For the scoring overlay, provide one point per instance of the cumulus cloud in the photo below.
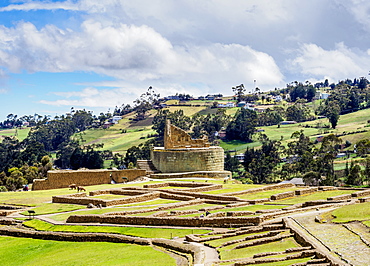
(41, 5)
(339, 63)
(360, 10)
(92, 97)
(131, 52)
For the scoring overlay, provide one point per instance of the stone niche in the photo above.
(181, 153)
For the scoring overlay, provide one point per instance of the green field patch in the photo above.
(320, 195)
(227, 253)
(367, 223)
(49, 208)
(131, 231)
(35, 252)
(174, 187)
(188, 110)
(37, 197)
(193, 207)
(218, 242)
(20, 133)
(109, 196)
(264, 194)
(144, 213)
(354, 212)
(286, 263)
(64, 216)
(255, 207)
(227, 188)
(150, 202)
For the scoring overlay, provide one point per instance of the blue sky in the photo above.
(96, 54)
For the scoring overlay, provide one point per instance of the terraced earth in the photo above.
(192, 222)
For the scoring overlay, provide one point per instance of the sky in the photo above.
(95, 55)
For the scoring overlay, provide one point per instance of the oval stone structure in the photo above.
(188, 159)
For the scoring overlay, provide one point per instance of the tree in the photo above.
(177, 118)
(145, 103)
(82, 119)
(231, 163)
(243, 126)
(15, 180)
(298, 112)
(239, 92)
(311, 178)
(332, 111)
(354, 177)
(261, 162)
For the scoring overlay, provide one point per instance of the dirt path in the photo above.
(338, 239)
(210, 254)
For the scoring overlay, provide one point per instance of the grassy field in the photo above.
(123, 230)
(29, 252)
(21, 133)
(320, 195)
(228, 253)
(264, 194)
(357, 212)
(49, 208)
(228, 188)
(35, 198)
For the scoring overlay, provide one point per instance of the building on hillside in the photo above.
(115, 119)
(226, 105)
(288, 122)
(241, 104)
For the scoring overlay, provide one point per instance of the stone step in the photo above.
(147, 165)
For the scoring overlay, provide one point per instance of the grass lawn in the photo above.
(131, 231)
(26, 251)
(320, 195)
(237, 145)
(37, 197)
(228, 188)
(64, 216)
(356, 212)
(367, 223)
(286, 263)
(48, 208)
(193, 207)
(150, 202)
(109, 196)
(21, 133)
(264, 194)
(255, 207)
(227, 253)
(218, 242)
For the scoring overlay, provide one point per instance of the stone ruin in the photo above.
(182, 154)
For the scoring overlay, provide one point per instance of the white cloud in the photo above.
(41, 5)
(93, 98)
(360, 10)
(337, 64)
(129, 52)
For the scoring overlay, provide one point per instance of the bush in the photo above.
(3, 189)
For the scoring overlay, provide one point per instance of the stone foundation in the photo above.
(188, 159)
(63, 178)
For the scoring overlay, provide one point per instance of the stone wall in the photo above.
(306, 191)
(83, 200)
(175, 137)
(63, 178)
(283, 195)
(361, 193)
(203, 174)
(188, 159)
(166, 221)
(260, 189)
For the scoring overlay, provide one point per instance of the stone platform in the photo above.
(204, 174)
